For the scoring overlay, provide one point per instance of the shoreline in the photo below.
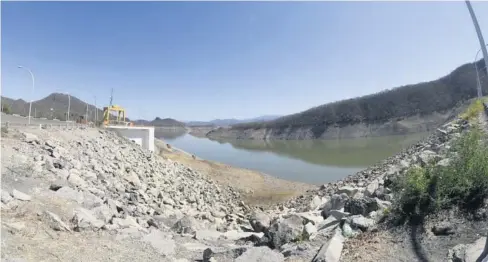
(403, 126)
(257, 188)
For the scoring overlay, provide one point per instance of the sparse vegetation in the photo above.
(6, 109)
(473, 110)
(463, 183)
(418, 99)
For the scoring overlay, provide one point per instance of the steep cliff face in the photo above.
(413, 124)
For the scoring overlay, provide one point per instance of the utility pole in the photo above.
(110, 104)
(86, 114)
(111, 97)
(30, 103)
(480, 36)
(69, 106)
(96, 110)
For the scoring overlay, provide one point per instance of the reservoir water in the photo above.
(309, 161)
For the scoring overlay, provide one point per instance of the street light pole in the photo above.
(96, 110)
(32, 76)
(478, 32)
(69, 105)
(477, 73)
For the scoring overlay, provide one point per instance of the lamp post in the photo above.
(96, 110)
(477, 73)
(69, 105)
(32, 76)
(478, 32)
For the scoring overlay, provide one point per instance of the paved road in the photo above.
(24, 120)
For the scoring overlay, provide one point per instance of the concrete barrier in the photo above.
(141, 135)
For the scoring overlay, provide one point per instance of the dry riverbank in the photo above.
(256, 188)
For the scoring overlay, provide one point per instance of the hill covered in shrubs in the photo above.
(394, 104)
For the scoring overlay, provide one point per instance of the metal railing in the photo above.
(46, 126)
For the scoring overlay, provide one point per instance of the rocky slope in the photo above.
(406, 125)
(87, 194)
(106, 184)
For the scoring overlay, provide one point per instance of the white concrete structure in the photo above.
(141, 135)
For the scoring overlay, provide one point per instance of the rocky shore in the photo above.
(87, 194)
(403, 126)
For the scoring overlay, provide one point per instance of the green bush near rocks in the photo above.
(463, 183)
(473, 110)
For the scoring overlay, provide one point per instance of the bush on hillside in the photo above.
(463, 183)
(421, 99)
(6, 109)
(473, 110)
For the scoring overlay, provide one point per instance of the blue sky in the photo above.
(202, 60)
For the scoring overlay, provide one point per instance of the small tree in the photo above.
(6, 109)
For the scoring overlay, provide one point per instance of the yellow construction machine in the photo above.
(119, 116)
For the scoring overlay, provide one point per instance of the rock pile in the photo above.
(337, 211)
(124, 189)
(119, 185)
(368, 180)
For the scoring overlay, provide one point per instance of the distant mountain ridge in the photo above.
(53, 106)
(400, 110)
(232, 121)
(158, 122)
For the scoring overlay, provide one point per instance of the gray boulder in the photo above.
(262, 254)
(6, 197)
(427, 156)
(470, 252)
(362, 206)
(371, 188)
(336, 202)
(348, 190)
(309, 230)
(75, 180)
(54, 221)
(186, 225)
(260, 221)
(331, 250)
(83, 219)
(206, 234)
(286, 230)
(20, 196)
(161, 242)
(363, 223)
(214, 255)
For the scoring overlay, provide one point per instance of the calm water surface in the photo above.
(310, 161)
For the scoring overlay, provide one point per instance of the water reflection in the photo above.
(359, 152)
(169, 133)
(310, 161)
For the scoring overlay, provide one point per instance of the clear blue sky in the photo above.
(200, 61)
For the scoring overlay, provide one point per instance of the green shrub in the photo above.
(413, 191)
(463, 183)
(6, 109)
(473, 110)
